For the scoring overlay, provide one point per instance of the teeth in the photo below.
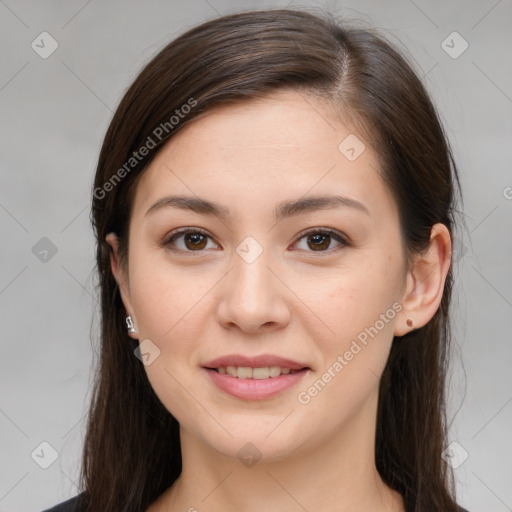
(260, 373)
(275, 371)
(246, 372)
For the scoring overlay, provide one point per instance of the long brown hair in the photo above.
(132, 451)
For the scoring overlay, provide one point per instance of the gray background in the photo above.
(54, 114)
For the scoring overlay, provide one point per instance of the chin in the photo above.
(251, 443)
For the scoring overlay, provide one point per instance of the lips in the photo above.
(254, 378)
(254, 362)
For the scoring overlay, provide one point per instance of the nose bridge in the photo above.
(252, 295)
(251, 279)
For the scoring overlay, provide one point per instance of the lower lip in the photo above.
(254, 389)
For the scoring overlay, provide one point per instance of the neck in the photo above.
(336, 474)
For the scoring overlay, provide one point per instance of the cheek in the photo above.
(360, 309)
(356, 298)
(166, 297)
(359, 305)
(167, 303)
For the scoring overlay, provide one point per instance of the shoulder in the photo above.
(68, 505)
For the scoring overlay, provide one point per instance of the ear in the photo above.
(121, 277)
(425, 282)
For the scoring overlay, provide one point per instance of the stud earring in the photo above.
(410, 323)
(129, 324)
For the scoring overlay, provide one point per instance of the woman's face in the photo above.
(246, 281)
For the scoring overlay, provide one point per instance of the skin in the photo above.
(293, 301)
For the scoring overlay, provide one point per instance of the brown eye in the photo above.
(188, 240)
(321, 240)
(194, 240)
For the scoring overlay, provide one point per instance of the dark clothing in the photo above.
(68, 505)
(65, 506)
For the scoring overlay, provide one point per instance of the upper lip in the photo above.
(254, 362)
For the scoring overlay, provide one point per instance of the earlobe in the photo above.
(121, 279)
(405, 320)
(425, 282)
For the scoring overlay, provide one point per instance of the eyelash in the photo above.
(323, 231)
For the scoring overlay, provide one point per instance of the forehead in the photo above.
(282, 122)
(285, 145)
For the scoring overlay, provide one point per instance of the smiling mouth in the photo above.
(260, 373)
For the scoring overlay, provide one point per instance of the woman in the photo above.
(274, 211)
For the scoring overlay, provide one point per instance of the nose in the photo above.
(253, 298)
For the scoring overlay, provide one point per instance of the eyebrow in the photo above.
(283, 210)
